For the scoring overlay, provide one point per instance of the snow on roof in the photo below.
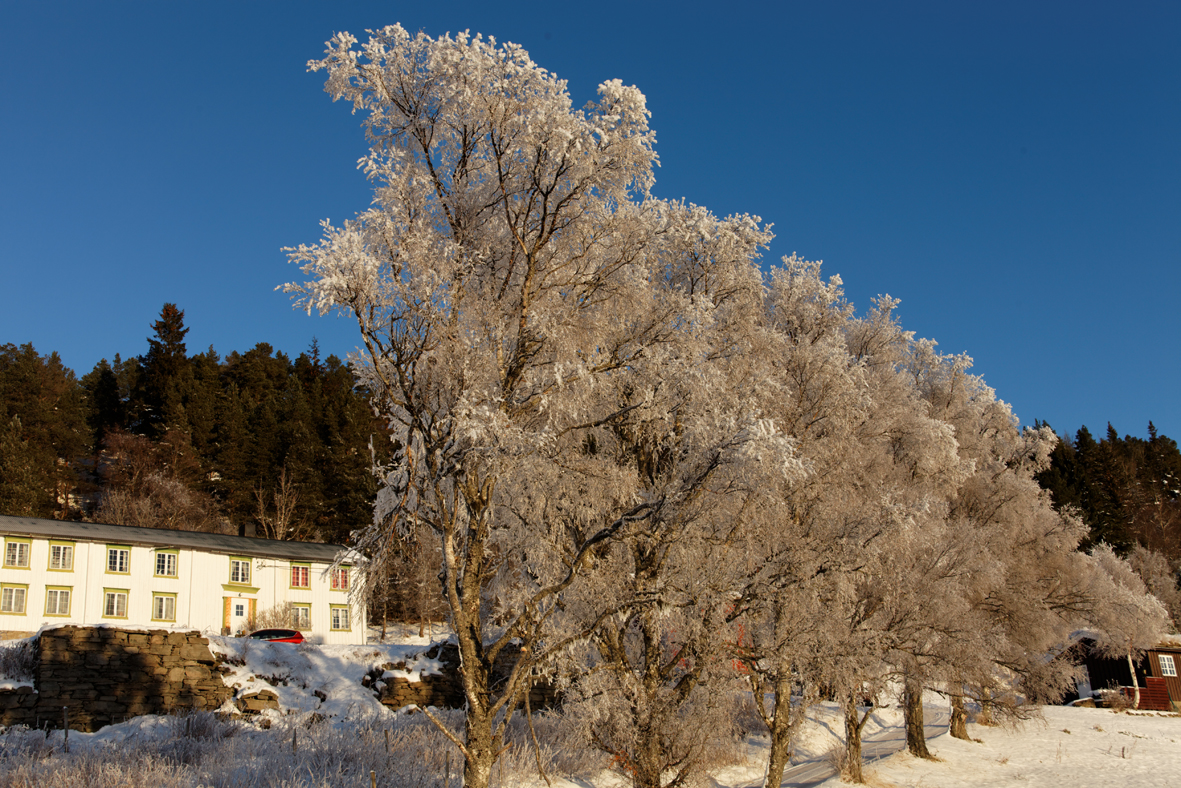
(159, 537)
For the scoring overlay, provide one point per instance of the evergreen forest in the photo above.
(253, 443)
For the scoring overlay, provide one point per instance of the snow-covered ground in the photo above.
(1065, 747)
(1068, 748)
(408, 634)
(321, 678)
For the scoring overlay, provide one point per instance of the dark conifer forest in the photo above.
(1126, 490)
(253, 442)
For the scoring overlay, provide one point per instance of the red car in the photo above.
(278, 635)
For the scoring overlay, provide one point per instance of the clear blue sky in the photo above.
(1010, 170)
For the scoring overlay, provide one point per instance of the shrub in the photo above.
(18, 659)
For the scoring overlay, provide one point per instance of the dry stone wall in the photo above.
(445, 689)
(104, 675)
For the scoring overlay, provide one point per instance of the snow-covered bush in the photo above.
(18, 659)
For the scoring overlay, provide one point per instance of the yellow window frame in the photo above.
(28, 543)
(69, 607)
(73, 555)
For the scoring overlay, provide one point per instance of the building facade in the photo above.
(54, 571)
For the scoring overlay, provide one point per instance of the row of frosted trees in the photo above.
(654, 471)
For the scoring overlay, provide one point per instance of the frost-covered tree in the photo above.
(907, 465)
(989, 558)
(1011, 584)
(1159, 578)
(540, 332)
(815, 607)
(707, 450)
(1126, 617)
(793, 551)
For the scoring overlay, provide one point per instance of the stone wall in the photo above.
(105, 675)
(445, 690)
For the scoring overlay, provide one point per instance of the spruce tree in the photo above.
(160, 391)
(49, 402)
(106, 409)
(21, 494)
(201, 404)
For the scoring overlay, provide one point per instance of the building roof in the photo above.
(159, 537)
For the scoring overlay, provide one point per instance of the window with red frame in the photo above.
(340, 580)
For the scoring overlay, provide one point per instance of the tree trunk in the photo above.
(650, 759)
(481, 749)
(780, 729)
(985, 715)
(912, 702)
(477, 769)
(852, 766)
(959, 718)
(1135, 683)
(475, 668)
(481, 741)
(649, 762)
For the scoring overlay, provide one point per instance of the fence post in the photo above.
(66, 727)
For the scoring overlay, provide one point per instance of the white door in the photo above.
(239, 618)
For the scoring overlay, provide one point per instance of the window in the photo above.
(239, 609)
(301, 616)
(1167, 666)
(165, 564)
(164, 607)
(340, 617)
(301, 576)
(61, 557)
(16, 554)
(115, 603)
(12, 599)
(118, 560)
(57, 601)
(240, 571)
(340, 579)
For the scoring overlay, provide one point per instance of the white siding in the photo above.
(201, 588)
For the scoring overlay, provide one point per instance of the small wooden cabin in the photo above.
(1156, 673)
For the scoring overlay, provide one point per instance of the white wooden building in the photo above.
(55, 571)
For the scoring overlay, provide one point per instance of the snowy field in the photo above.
(1068, 748)
(331, 731)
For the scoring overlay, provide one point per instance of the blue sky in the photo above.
(1010, 171)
